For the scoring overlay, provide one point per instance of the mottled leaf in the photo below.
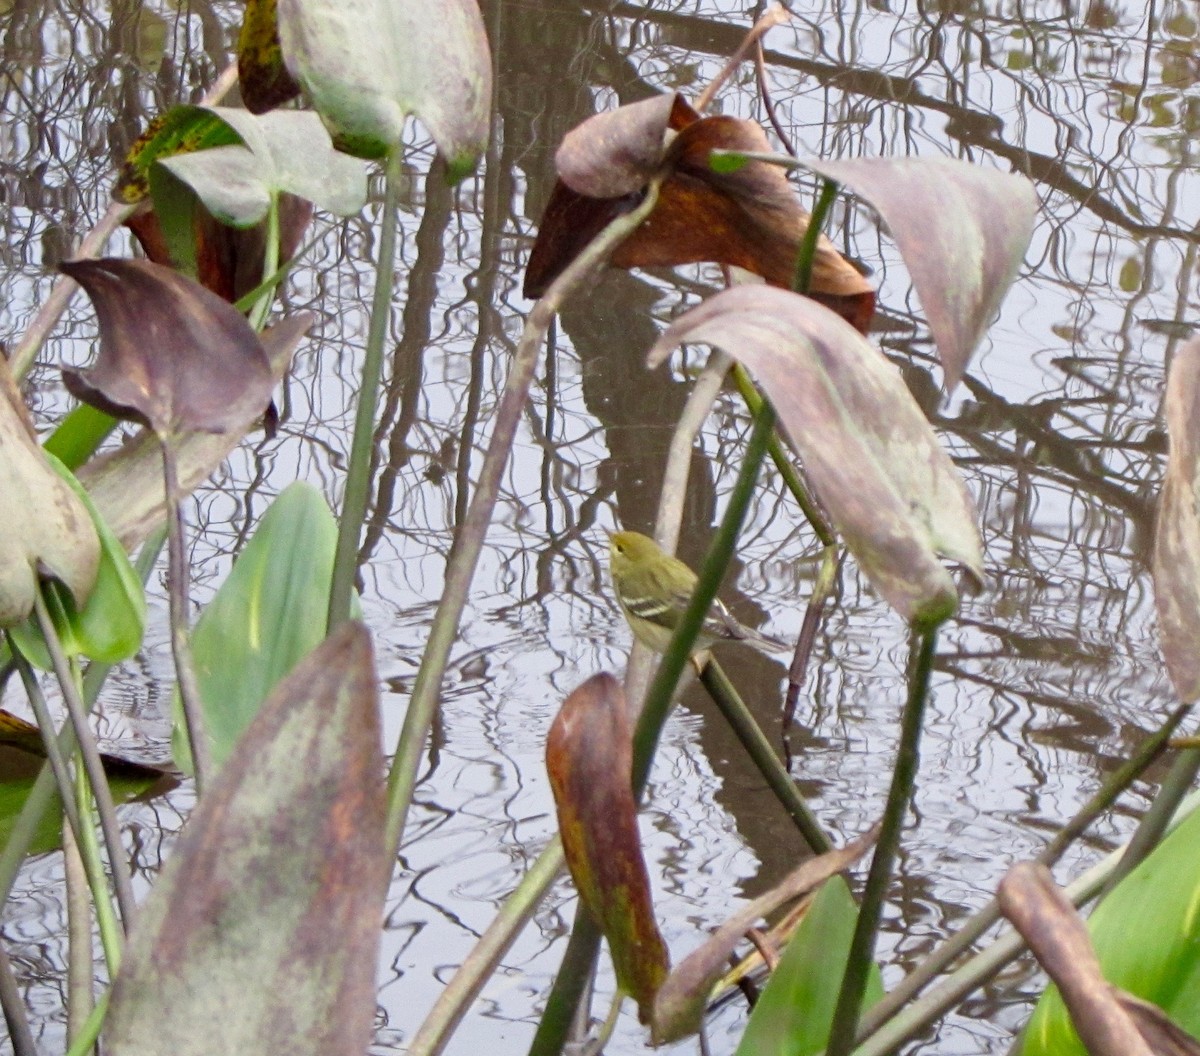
(1146, 934)
(262, 75)
(962, 230)
(794, 1011)
(127, 484)
(1176, 566)
(178, 131)
(1107, 1020)
(44, 528)
(748, 218)
(870, 454)
(263, 931)
(267, 615)
(589, 757)
(366, 65)
(172, 355)
(682, 999)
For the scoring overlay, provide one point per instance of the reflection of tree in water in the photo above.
(1057, 426)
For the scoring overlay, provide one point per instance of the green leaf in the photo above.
(795, 1010)
(78, 435)
(870, 454)
(262, 934)
(1147, 937)
(264, 619)
(368, 64)
(110, 625)
(180, 130)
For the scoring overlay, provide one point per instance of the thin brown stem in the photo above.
(776, 15)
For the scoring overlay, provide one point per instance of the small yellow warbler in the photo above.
(653, 590)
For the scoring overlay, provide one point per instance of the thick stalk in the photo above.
(468, 542)
(358, 474)
(738, 715)
(862, 946)
(179, 593)
(86, 1040)
(262, 306)
(80, 967)
(117, 863)
(14, 1009)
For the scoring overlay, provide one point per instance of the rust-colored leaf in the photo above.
(1176, 567)
(749, 218)
(172, 355)
(262, 75)
(589, 758)
(229, 259)
(1109, 1021)
(262, 934)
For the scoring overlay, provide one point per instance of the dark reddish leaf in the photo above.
(749, 218)
(172, 355)
(615, 153)
(589, 759)
(1109, 1021)
(1176, 566)
(229, 259)
(262, 75)
(262, 933)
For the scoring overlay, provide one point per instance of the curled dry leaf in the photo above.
(44, 528)
(589, 757)
(173, 355)
(962, 230)
(748, 218)
(1176, 566)
(870, 454)
(262, 75)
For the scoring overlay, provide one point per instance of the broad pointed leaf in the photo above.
(172, 355)
(1156, 903)
(870, 454)
(368, 64)
(589, 756)
(262, 74)
(267, 616)
(127, 484)
(962, 230)
(44, 528)
(1176, 565)
(794, 1011)
(263, 932)
(178, 131)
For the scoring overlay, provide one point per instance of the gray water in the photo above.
(1042, 685)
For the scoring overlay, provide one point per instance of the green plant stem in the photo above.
(262, 306)
(358, 474)
(72, 696)
(738, 715)
(574, 974)
(89, 849)
(904, 774)
(1149, 832)
(14, 1009)
(949, 951)
(86, 1041)
(454, 1000)
(807, 254)
(41, 795)
(179, 594)
(469, 539)
(798, 671)
(80, 965)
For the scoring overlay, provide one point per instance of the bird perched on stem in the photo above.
(653, 589)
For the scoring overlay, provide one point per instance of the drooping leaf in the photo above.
(178, 131)
(869, 452)
(1176, 566)
(748, 217)
(109, 626)
(794, 1011)
(127, 484)
(262, 75)
(684, 996)
(1108, 1022)
(366, 65)
(263, 931)
(172, 355)
(1156, 903)
(266, 617)
(962, 230)
(589, 757)
(44, 528)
